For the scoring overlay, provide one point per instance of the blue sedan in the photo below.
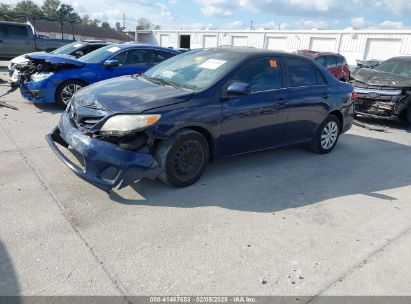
(201, 106)
(51, 78)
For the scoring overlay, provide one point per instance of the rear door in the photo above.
(308, 95)
(256, 121)
(16, 40)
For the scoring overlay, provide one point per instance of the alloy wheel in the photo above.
(329, 135)
(69, 91)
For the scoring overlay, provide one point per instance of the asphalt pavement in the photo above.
(284, 222)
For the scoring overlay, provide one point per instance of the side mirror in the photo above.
(238, 89)
(111, 63)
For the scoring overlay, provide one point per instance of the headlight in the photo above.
(40, 76)
(126, 123)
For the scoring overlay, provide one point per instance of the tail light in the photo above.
(354, 96)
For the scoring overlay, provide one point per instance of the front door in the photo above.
(256, 121)
(131, 61)
(16, 40)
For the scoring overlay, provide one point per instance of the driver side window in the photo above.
(262, 74)
(134, 57)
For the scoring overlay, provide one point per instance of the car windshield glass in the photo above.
(68, 48)
(396, 67)
(195, 70)
(99, 55)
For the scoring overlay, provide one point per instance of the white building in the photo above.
(353, 44)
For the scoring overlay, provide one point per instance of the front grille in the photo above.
(85, 118)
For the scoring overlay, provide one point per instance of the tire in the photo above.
(184, 157)
(409, 116)
(327, 135)
(66, 90)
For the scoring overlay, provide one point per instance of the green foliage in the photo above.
(66, 12)
(27, 7)
(50, 8)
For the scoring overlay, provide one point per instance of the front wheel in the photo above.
(184, 157)
(66, 90)
(327, 135)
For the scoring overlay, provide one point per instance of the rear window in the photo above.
(327, 61)
(341, 60)
(301, 73)
(14, 30)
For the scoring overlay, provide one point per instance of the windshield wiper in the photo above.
(162, 81)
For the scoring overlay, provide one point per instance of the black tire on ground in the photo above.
(409, 116)
(66, 88)
(327, 135)
(184, 157)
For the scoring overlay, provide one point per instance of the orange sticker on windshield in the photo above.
(273, 63)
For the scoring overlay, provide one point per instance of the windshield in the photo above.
(396, 66)
(195, 70)
(100, 55)
(68, 48)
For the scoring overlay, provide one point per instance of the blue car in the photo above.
(200, 106)
(52, 78)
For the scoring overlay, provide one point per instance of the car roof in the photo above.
(252, 52)
(315, 54)
(144, 46)
(13, 23)
(405, 58)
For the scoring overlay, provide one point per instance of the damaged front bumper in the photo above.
(380, 102)
(106, 165)
(38, 92)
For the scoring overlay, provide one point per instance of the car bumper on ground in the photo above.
(105, 165)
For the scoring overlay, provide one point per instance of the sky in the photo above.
(240, 14)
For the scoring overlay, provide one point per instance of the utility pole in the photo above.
(124, 21)
(251, 25)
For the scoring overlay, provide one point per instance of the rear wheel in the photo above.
(327, 135)
(66, 90)
(184, 157)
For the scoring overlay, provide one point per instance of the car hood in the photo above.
(56, 60)
(376, 78)
(129, 94)
(23, 59)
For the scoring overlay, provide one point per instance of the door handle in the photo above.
(325, 95)
(28, 42)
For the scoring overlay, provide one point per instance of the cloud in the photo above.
(235, 25)
(362, 23)
(312, 24)
(211, 10)
(399, 7)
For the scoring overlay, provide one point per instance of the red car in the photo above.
(335, 63)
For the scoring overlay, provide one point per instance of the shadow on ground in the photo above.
(385, 124)
(9, 285)
(287, 178)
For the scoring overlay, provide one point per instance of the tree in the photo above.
(119, 28)
(144, 24)
(27, 7)
(4, 8)
(66, 12)
(105, 24)
(94, 22)
(50, 8)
